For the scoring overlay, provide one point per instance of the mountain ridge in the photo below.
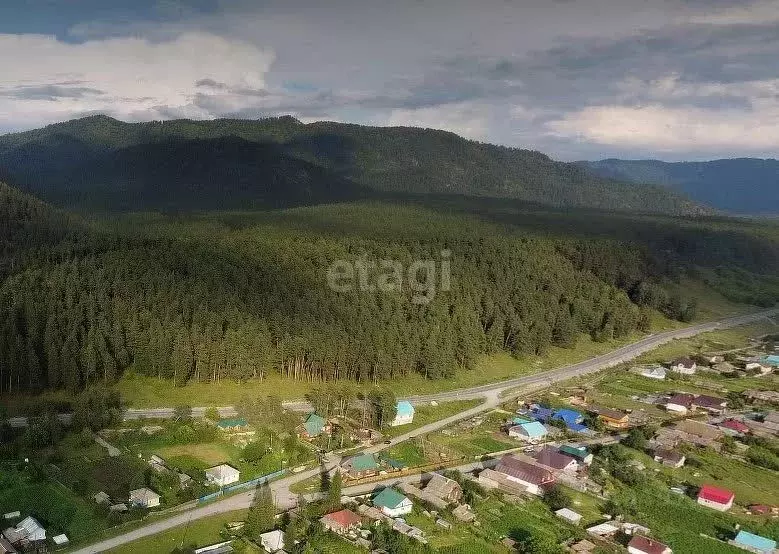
(735, 185)
(328, 160)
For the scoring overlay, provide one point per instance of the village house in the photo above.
(716, 498)
(341, 522)
(644, 545)
(613, 419)
(234, 425)
(553, 458)
(360, 466)
(734, 427)
(444, 488)
(580, 453)
(684, 366)
(144, 497)
(27, 535)
(102, 498)
(758, 368)
(767, 396)
(532, 432)
(272, 541)
(754, 543)
(404, 414)
(222, 475)
(680, 403)
(464, 513)
(532, 477)
(569, 515)
(712, 404)
(313, 426)
(434, 501)
(224, 547)
(699, 433)
(582, 547)
(392, 503)
(669, 458)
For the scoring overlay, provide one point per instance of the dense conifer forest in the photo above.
(99, 163)
(239, 295)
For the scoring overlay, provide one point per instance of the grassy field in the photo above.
(207, 454)
(56, 507)
(429, 414)
(199, 533)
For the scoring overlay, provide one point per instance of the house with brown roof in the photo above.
(553, 458)
(444, 488)
(614, 419)
(644, 545)
(669, 458)
(684, 366)
(533, 477)
(700, 429)
(712, 404)
(341, 522)
(680, 403)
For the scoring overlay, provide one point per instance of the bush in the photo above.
(556, 498)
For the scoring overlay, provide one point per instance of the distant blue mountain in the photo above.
(739, 185)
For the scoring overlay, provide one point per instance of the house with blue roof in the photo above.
(404, 414)
(531, 432)
(573, 420)
(772, 360)
(754, 543)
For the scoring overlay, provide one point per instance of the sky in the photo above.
(576, 79)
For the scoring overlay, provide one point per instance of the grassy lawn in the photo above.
(460, 538)
(407, 452)
(201, 532)
(204, 454)
(429, 414)
(56, 507)
(146, 392)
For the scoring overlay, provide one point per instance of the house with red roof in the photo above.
(716, 498)
(712, 404)
(734, 427)
(341, 522)
(534, 477)
(644, 545)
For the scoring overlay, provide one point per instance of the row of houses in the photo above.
(684, 403)
(315, 425)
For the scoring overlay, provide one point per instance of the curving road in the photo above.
(492, 394)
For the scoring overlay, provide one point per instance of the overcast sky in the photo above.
(577, 79)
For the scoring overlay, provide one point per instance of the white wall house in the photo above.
(222, 475)
(272, 541)
(145, 498)
(685, 366)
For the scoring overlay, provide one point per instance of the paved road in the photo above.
(494, 390)
(492, 394)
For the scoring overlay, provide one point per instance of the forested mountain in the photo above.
(740, 186)
(244, 294)
(99, 162)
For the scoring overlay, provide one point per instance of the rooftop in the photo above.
(344, 518)
(524, 471)
(405, 408)
(234, 422)
(761, 544)
(645, 544)
(715, 494)
(388, 498)
(551, 457)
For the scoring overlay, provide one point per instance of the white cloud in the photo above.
(467, 119)
(663, 129)
(43, 79)
(760, 11)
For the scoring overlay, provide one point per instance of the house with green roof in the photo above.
(360, 466)
(392, 503)
(234, 424)
(314, 426)
(579, 453)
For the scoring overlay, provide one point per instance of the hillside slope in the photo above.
(101, 162)
(238, 294)
(741, 186)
